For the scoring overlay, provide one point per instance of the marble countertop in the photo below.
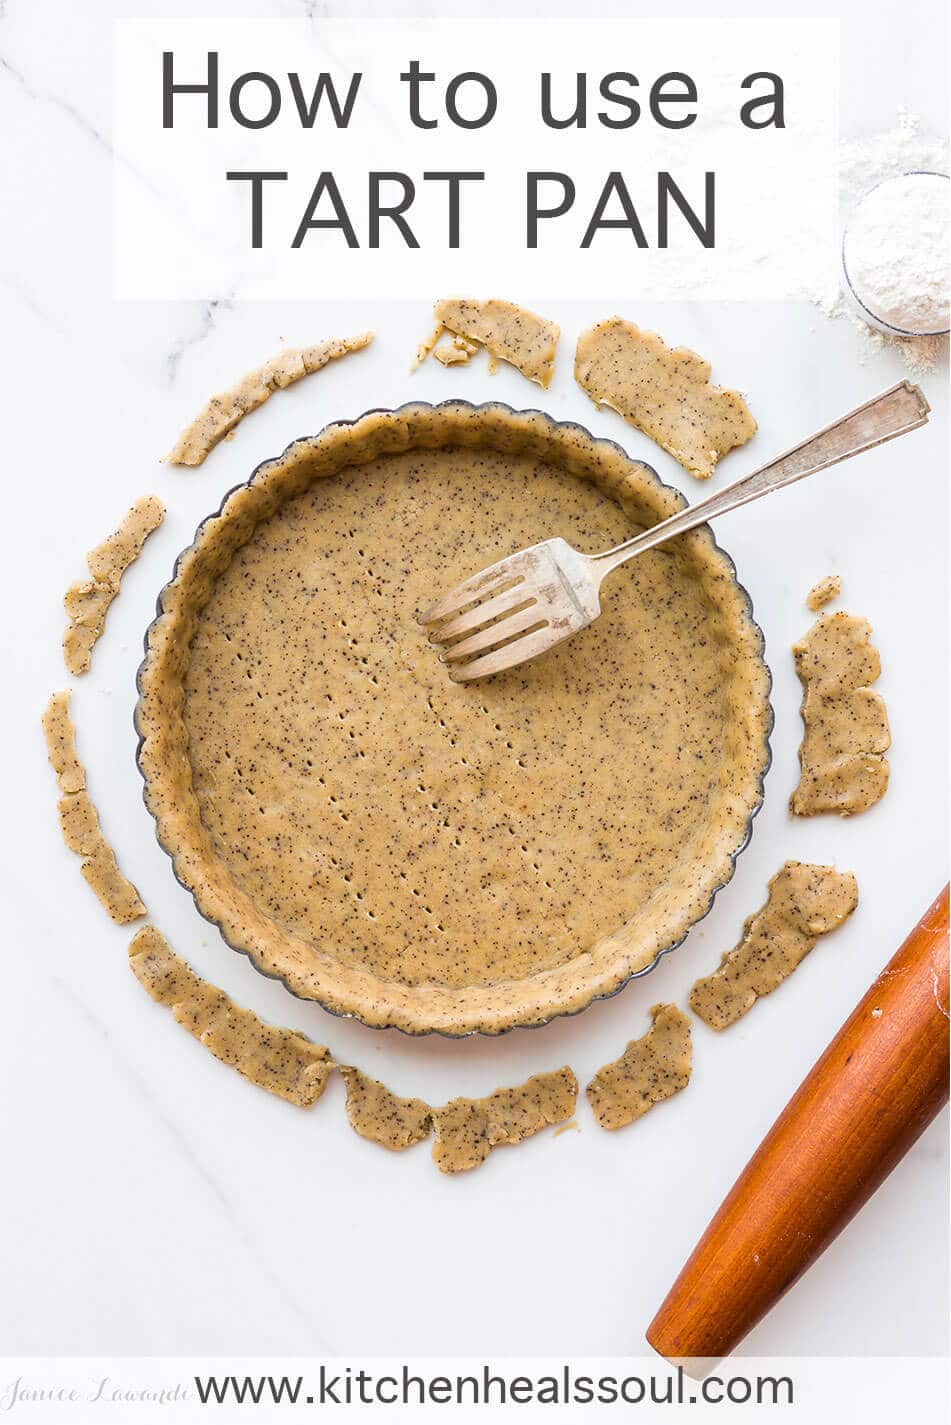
(155, 1203)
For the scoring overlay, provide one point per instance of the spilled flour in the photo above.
(863, 163)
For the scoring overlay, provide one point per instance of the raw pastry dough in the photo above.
(383, 1117)
(663, 391)
(843, 768)
(509, 333)
(79, 821)
(457, 352)
(87, 601)
(431, 854)
(467, 1129)
(827, 589)
(60, 737)
(651, 1069)
(804, 902)
(279, 1060)
(224, 411)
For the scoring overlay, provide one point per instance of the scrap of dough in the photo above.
(824, 592)
(383, 1117)
(87, 601)
(804, 902)
(651, 1069)
(663, 391)
(79, 823)
(60, 737)
(843, 767)
(458, 352)
(224, 411)
(509, 333)
(279, 1060)
(468, 1128)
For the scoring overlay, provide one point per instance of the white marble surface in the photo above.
(152, 1202)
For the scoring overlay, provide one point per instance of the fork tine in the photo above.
(520, 650)
(504, 603)
(520, 622)
(479, 586)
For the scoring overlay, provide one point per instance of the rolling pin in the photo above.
(870, 1096)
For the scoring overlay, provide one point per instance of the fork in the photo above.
(523, 605)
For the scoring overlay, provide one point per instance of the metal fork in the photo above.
(525, 604)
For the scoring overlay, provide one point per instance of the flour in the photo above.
(863, 163)
(896, 250)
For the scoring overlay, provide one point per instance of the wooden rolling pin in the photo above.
(870, 1096)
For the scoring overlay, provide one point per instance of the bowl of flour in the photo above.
(895, 255)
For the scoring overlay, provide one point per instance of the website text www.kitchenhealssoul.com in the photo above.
(488, 1387)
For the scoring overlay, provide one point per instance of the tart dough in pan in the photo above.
(431, 855)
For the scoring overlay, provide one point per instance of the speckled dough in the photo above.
(279, 1060)
(419, 852)
(651, 1069)
(467, 1129)
(664, 391)
(60, 735)
(224, 411)
(87, 601)
(382, 1116)
(457, 352)
(822, 593)
(79, 821)
(843, 767)
(804, 903)
(509, 333)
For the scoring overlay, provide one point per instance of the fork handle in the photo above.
(899, 409)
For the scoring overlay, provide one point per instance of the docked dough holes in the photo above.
(664, 391)
(223, 412)
(842, 761)
(805, 902)
(87, 601)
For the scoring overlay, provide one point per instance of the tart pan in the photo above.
(313, 971)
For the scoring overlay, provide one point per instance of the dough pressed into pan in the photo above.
(420, 852)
